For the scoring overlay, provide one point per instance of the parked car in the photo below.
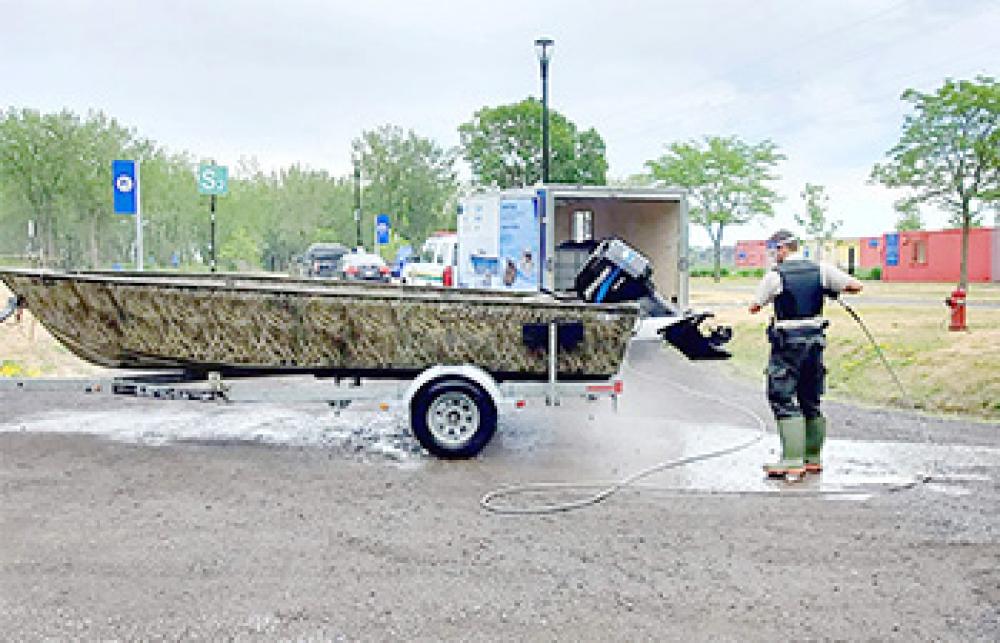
(323, 259)
(436, 265)
(363, 266)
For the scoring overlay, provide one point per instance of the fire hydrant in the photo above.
(957, 304)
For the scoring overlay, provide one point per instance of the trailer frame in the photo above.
(459, 381)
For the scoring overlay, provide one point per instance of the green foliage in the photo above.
(748, 273)
(908, 216)
(55, 170)
(503, 145)
(239, 250)
(871, 274)
(52, 168)
(728, 181)
(408, 177)
(815, 221)
(949, 151)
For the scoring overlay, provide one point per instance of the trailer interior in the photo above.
(654, 222)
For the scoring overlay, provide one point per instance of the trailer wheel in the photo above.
(453, 418)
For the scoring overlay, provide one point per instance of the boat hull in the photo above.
(273, 325)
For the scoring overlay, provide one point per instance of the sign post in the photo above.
(382, 228)
(125, 177)
(212, 180)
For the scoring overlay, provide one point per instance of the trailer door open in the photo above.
(654, 222)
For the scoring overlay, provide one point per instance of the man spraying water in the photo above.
(795, 371)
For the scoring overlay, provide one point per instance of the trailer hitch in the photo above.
(14, 305)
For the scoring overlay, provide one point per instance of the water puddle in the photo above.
(567, 444)
(851, 468)
(381, 434)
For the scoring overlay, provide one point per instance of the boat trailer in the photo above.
(452, 408)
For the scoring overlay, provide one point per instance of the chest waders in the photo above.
(795, 371)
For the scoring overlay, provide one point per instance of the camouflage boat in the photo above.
(257, 324)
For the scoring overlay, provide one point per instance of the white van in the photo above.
(436, 264)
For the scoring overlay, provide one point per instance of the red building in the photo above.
(751, 254)
(871, 251)
(936, 255)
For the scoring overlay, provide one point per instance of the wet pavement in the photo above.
(671, 409)
(148, 519)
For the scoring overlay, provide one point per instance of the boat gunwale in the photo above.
(234, 282)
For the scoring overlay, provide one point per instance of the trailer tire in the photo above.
(453, 418)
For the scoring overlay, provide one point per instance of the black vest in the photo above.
(801, 290)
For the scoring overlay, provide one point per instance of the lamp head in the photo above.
(544, 47)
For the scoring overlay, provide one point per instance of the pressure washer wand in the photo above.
(878, 350)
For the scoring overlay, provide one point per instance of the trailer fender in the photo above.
(464, 371)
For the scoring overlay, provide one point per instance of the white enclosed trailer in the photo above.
(520, 239)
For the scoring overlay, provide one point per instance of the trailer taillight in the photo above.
(615, 387)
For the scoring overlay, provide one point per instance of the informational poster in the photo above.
(478, 242)
(520, 245)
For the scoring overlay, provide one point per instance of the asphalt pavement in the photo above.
(131, 518)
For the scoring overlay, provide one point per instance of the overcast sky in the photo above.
(297, 80)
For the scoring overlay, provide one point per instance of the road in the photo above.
(124, 518)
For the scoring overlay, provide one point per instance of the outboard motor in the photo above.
(615, 272)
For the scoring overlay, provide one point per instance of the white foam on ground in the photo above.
(378, 433)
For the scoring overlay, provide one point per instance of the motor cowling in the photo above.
(615, 272)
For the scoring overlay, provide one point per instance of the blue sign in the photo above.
(892, 249)
(382, 228)
(873, 243)
(125, 180)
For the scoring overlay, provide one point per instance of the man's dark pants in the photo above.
(795, 372)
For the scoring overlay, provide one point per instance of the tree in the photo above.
(727, 181)
(503, 145)
(908, 216)
(949, 152)
(409, 177)
(59, 166)
(815, 221)
(37, 164)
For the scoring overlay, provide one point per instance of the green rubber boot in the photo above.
(793, 442)
(815, 436)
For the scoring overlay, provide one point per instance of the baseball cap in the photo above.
(780, 238)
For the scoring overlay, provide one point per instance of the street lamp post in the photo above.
(543, 47)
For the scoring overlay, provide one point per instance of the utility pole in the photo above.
(211, 207)
(211, 210)
(357, 200)
(140, 252)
